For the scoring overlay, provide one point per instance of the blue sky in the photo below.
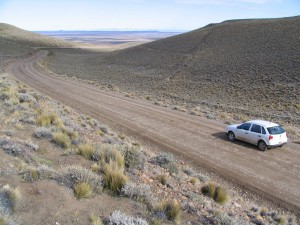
(137, 14)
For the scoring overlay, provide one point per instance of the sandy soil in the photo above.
(275, 173)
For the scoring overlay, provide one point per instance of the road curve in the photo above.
(274, 174)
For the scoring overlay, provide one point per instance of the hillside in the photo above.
(15, 41)
(246, 67)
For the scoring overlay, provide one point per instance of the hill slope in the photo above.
(246, 66)
(14, 41)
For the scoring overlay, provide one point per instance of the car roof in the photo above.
(263, 123)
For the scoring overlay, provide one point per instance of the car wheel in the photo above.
(231, 136)
(262, 145)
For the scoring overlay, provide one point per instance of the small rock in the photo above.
(237, 205)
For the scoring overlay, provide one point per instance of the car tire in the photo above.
(262, 146)
(231, 136)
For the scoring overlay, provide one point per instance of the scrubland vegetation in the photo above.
(48, 149)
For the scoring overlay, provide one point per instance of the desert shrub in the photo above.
(6, 218)
(11, 196)
(114, 177)
(133, 157)
(166, 161)
(13, 95)
(107, 154)
(193, 180)
(42, 132)
(86, 150)
(41, 172)
(170, 208)
(11, 147)
(26, 97)
(61, 139)
(32, 145)
(216, 192)
(45, 119)
(225, 219)
(280, 220)
(104, 129)
(95, 219)
(72, 134)
(188, 171)
(72, 175)
(118, 218)
(139, 192)
(162, 178)
(83, 190)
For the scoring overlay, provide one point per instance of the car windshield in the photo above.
(276, 130)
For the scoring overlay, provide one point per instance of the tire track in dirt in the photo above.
(274, 174)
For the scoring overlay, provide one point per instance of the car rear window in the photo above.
(276, 130)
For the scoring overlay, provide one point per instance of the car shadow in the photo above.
(223, 136)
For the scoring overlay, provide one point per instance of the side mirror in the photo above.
(239, 127)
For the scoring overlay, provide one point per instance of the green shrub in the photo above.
(83, 190)
(61, 139)
(171, 208)
(86, 150)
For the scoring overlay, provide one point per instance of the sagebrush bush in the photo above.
(118, 218)
(225, 219)
(42, 132)
(61, 139)
(218, 193)
(170, 208)
(83, 190)
(41, 172)
(71, 175)
(114, 177)
(86, 150)
(139, 192)
(166, 161)
(13, 196)
(133, 157)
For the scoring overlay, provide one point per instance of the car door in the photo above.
(243, 131)
(254, 134)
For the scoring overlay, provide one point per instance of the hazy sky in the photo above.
(137, 14)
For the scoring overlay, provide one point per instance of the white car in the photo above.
(262, 133)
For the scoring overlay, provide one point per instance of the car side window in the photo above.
(245, 126)
(256, 128)
(263, 130)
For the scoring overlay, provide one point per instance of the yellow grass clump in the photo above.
(86, 150)
(83, 190)
(171, 208)
(61, 139)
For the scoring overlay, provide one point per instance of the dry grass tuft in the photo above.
(95, 219)
(83, 190)
(61, 139)
(115, 178)
(193, 180)
(171, 208)
(86, 150)
(162, 178)
(218, 193)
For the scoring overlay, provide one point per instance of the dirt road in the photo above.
(274, 173)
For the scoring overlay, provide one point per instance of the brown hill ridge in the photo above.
(15, 41)
(242, 66)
